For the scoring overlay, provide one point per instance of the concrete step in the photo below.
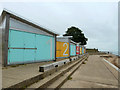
(59, 82)
(29, 81)
(44, 83)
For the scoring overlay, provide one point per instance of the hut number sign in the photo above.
(65, 49)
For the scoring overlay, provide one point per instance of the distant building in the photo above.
(90, 50)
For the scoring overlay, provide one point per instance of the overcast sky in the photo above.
(98, 20)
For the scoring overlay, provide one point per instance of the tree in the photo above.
(77, 34)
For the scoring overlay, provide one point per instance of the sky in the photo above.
(97, 20)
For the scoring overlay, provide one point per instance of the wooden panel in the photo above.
(16, 39)
(84, 50)
(80, 50)
(29, 40)
(58, 49)
(29, 55)
(27, 47)
(77, 50)
(15, 56)
(62, 49)
(72, 50)
(45, 48)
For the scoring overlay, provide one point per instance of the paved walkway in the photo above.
(0, 77)
(14, 75)
(93, 74)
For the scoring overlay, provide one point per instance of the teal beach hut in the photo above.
(25, 41)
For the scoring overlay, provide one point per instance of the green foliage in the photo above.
(77, 34)
(84, 62)
(69, 78)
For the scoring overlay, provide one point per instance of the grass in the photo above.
(86, 59)
(69, 78)
(17, 65)
(24, 87)
(84, 62)
(4, 67)
(14, 65)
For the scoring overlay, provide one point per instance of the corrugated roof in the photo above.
(27, 21)
(73, 42)
(65, 37)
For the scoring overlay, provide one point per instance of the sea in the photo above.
(114, 52)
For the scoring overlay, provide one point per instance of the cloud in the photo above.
(98, 20)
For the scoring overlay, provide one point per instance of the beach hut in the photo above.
(63, 47)
(25, 41)
(77, 49)
(72, 48)
(80, 50)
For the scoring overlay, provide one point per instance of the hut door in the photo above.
(21, 47)
(45, 48)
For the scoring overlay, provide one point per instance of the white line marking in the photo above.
(112, 65)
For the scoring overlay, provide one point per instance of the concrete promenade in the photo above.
(96, 73)
(14, 75)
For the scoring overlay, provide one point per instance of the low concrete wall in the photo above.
(42, 75)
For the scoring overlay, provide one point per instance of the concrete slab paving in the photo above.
(112, 69)
(93, 74)
(0, 76)
(14, 75)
